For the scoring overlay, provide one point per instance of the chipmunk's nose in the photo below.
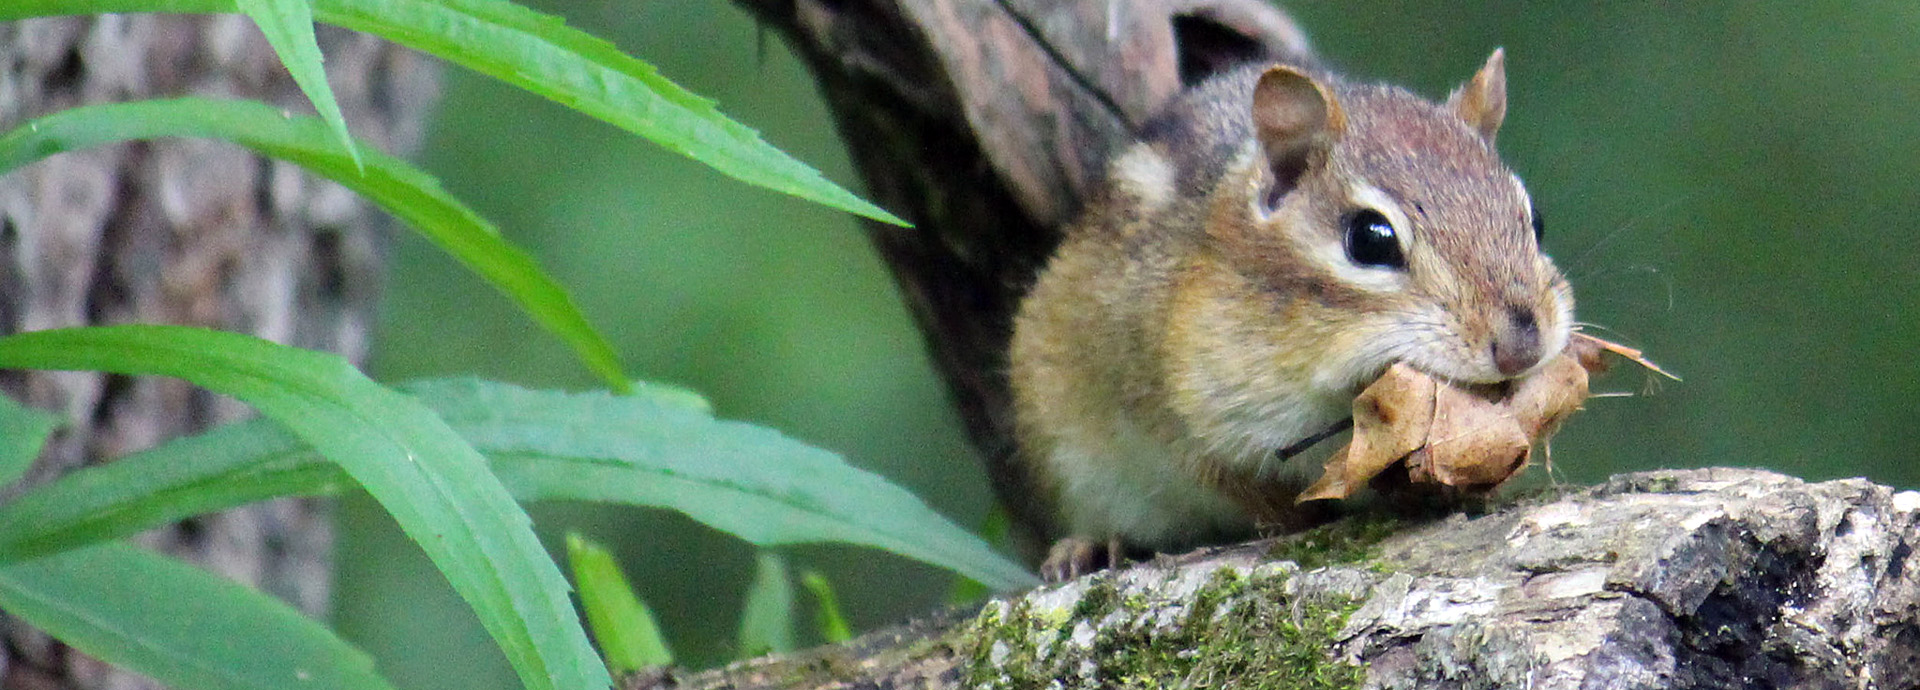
(1516, 346)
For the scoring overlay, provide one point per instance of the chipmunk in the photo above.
(1273, 242)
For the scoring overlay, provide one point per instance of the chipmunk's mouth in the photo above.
(1485, 372)
(1454, 362)
(1525, 342)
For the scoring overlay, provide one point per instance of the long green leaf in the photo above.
(433, 483)
(23, 431)
(766, 619)
(178, 624)
(994, 528)
(539, 53)
(226, 467)
(652, 449)
(288, 26)
(746, 480)
(403, 190)
(629, 637)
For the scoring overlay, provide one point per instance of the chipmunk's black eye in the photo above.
(1539, 226)
(1371, 240)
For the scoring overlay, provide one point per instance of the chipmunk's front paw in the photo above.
(1073, 556)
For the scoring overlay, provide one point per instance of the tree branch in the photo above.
(1717, 578)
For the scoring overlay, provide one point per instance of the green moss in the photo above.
(1234, 631)
(1661, 484)
(1348, 541)
(1097, 601)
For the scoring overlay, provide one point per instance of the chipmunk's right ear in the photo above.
(1482, 101)
(1297, 120)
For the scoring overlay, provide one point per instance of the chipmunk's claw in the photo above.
(1073, 556)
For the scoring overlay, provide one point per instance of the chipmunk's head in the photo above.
(1396, 220)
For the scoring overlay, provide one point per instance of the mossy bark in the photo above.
(1718, 578)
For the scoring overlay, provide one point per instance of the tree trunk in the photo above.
(1718, 578)
(189, 232)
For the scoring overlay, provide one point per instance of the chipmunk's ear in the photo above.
(1297, 119)
(1482, 101)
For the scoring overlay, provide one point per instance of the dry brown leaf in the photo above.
(1542, 401)
(1588, 348)
(1468, 437)
(1475, 442)
(1390, 420)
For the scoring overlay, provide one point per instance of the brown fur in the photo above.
(1178, 321)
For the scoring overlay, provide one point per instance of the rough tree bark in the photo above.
(1719, 578)
(186, 232)
(984, 122)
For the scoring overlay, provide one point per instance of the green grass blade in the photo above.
(654, 449)
(23, 432)
(629, 637)
(178, 624)
(766, 620)
(226, 467)
(408, 193)
(288, 26)
(995, 528)
(539, 53)
(746, 480)
(436, 487)
(833, 623)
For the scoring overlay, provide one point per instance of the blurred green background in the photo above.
(1730, 185)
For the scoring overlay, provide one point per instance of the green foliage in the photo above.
(746, 480)
(23, 430)
(766, 621)
(227, 467)
(288, 26)
(129, 607)
(995, 528)
(537, 52)
(650, 450)
(656, 449)
(435, 485)
(623, 625)
(832, 623)
(403, 190)
(328, 428)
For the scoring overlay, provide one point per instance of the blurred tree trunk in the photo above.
(189, 232)
(985, 123)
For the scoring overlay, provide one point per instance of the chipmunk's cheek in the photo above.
(1354, 358)
(1481, 369)
(1452, 355)
(1560, 331)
